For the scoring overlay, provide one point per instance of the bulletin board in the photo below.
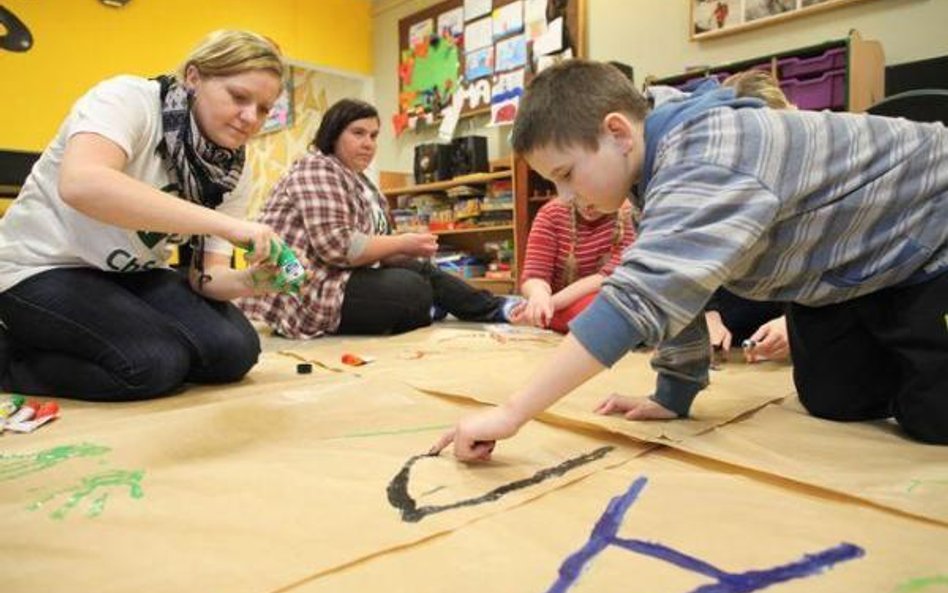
(476, 56)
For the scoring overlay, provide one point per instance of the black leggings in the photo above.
(881, 355)
(103, 336)
(398, 298)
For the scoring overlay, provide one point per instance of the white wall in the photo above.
(652, 35)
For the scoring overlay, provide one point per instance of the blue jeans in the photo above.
(102, 336)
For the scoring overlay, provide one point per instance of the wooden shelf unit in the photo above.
(856, 65)
(469, 239)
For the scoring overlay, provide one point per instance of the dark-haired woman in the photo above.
(365, 280)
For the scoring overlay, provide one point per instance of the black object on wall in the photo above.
(931, 73)
(14, 167)
(18, 37)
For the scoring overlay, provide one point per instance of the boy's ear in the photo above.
(618, 126)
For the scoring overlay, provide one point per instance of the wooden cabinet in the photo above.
(841, 75)
(469, 234)
(531, 191)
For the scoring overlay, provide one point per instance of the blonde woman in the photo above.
(89, 307)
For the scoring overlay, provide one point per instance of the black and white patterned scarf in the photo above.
(204, 171)
(201, 170)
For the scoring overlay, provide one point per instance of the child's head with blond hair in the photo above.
(761, 85)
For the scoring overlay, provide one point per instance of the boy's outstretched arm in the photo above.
(570, 366)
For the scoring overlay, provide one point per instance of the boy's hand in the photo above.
(720, 335)
(634, 408)
(770, 342)
(475, 435)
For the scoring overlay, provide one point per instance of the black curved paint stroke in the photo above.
(399, 497)
(17, 37)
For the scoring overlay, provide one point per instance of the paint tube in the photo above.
(10, 406)
(45, 413)
(26, 412)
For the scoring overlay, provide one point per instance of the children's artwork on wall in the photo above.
(551, 40)
(712, 18)
(476, 94)
(479, 63)
(534, 10)
(508, 19)
(432, 73)
(455, 46)
(476, 8)
(478, 34)
(511, 53)
(544, 62)
(451, 23)
(505, 97)
(420, 32)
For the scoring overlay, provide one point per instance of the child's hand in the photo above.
(720, 335)
(538, 311)
(517, 316)
(474, 436)
(634, 408)
(770, 342)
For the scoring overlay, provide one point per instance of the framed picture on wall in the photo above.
(713, 18)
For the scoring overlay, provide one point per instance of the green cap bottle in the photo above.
(291, 276)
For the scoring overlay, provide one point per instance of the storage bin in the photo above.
(826, 92)
(831, 59)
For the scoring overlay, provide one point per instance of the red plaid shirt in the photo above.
(317, 208)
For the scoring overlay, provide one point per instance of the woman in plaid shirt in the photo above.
(365, 280)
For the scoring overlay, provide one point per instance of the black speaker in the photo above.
(469, 155)
(432, 162)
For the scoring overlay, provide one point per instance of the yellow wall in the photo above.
(80, 42)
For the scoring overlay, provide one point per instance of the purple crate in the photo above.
(831, 59)
(826, 92)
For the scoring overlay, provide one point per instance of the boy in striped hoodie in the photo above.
(844, 216)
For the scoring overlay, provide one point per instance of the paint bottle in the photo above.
(292, 274)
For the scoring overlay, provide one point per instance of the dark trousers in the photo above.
(881, 355)
(743, 317)
(398, 298)
(87, 334)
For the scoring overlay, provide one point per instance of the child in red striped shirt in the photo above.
(570, 250)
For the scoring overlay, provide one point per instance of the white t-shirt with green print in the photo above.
(40, 232)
